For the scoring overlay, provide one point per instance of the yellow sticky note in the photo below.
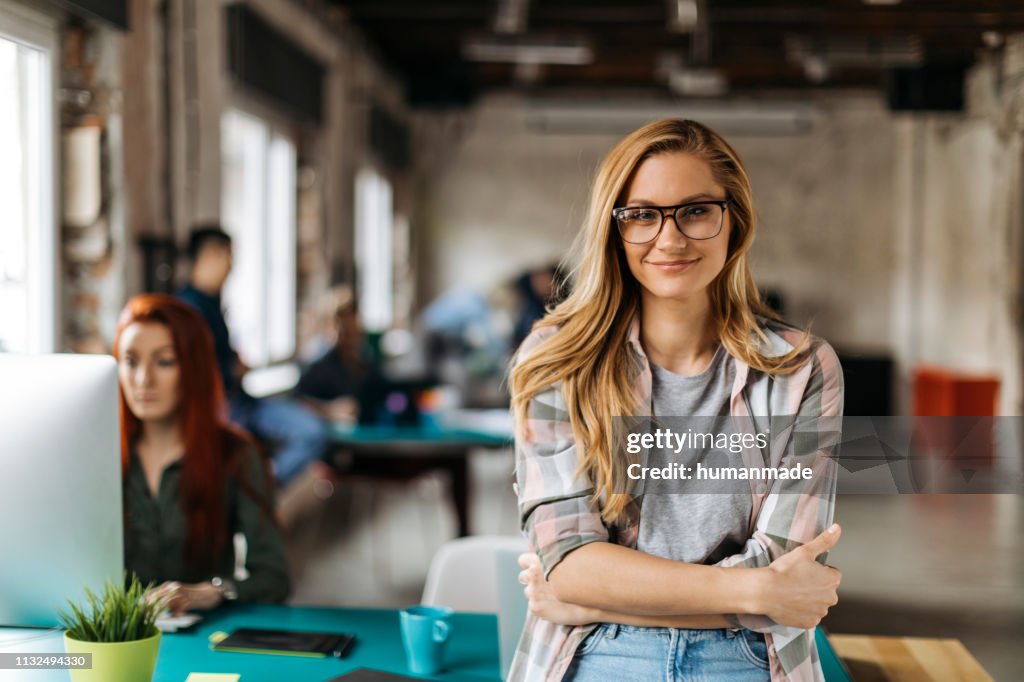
(213, 677)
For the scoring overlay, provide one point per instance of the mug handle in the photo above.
(441, 631)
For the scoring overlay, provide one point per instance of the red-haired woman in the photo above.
(191, 481)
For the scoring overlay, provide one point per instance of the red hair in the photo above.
(214, 449)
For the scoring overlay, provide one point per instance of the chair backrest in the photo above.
(463, 574)
(480, 574)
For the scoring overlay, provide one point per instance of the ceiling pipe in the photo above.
(682, 15)
(511, 17)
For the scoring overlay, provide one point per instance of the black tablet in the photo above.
(287, 642)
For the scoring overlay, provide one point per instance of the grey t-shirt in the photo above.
(698, 528)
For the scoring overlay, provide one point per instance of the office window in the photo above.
(258, 210)
(374, 240)
(27, 251)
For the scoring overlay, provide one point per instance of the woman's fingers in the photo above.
(178, 603)
(165, 591)
(823, 543)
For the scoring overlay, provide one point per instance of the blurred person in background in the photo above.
(334, 382)
(302, 436)
(191, 480)
(537, 289)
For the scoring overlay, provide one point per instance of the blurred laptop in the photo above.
(392, 402)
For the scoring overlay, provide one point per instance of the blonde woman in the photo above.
(664, 319)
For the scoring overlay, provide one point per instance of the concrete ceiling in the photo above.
(755, 45)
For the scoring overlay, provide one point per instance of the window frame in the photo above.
(376, 284)
(38, 30)
(276, 126)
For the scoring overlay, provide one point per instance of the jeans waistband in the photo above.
(612, 630)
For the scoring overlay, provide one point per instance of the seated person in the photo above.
(191, 481)
(302, 436)
(333, 384)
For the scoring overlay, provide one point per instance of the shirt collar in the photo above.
(202, 294)
(773, 346)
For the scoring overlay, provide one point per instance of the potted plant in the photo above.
(118, 628)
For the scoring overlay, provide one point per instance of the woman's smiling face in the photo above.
(673, 266)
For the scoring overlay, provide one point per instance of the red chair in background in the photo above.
(939, 392)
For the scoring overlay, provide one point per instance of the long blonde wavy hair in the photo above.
(588, 351)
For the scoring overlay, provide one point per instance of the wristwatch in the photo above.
(228, 588)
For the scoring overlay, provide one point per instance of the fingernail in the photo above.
(834, 528)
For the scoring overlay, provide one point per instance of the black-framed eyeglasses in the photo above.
(696, 220)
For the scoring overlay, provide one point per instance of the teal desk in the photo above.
(415, 438)
(405, 452)
(472, 654)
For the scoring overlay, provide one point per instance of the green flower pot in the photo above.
(116, 661)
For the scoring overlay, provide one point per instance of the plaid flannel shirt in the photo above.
(558, 515)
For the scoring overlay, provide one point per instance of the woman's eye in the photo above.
(167, 362)
(642, 216)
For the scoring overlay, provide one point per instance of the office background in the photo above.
(884, 142)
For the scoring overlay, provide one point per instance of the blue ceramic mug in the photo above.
(425, 631)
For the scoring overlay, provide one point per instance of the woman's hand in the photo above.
(543, 602)
(182, 597)
(800, 590)
(344, 410)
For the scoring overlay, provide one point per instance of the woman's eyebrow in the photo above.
(154, 351)
(692, 197)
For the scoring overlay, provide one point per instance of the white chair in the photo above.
(463, 574)
(480, 574)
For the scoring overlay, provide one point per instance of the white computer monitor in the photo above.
(60, 483)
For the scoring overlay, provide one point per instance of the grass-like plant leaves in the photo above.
(122, 613)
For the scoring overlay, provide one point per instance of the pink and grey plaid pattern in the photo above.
(557, 515)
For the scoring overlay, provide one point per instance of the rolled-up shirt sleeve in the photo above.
(796, 511)
(556, 506)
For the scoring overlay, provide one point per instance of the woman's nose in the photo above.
(143, 374)
(671, 234)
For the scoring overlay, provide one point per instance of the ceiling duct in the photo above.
(818, 56)
(728, 118)
(695, 78)
(510, 44)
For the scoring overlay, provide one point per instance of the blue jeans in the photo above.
(303, 436)
(624, 653)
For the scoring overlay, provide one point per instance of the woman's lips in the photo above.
(674, 265)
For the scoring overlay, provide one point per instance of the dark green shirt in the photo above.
(155, 529)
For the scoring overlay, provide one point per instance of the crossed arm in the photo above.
(775, 583)
(794, 591)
